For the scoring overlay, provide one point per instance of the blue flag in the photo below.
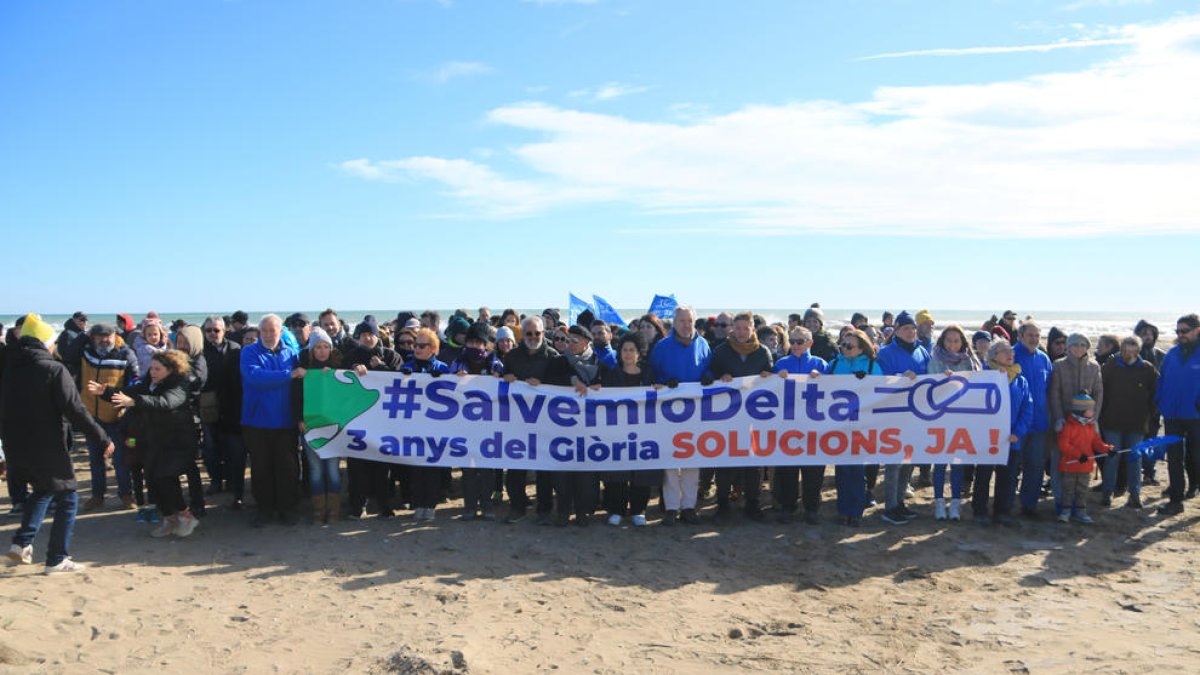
(663, 306)
(577, 307)
(605, 312)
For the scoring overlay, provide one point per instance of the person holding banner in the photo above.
(1000, 358)
(739, 356)
(529, 362)
(268, 425)
(809, 478)
(628, 492)
(426, 481)
(324, 475)
(902, 356)
(951, 354)
(857, 358)
(369, 478)
(477, 358)
(683, 356)
(578, 367)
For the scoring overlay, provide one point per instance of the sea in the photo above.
(1091, 324)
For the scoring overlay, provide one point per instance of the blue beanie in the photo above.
(905, 319)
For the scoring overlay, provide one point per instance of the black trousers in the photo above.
(748, 478)
(369, 479)
(1183, 459)
(576, 492)
(809, 479)
(624, 498)
(274, 467)
(514, 483)
(168, 495)
(426, 482)
(477, 489)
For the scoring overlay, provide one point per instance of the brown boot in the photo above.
(318, 504)
(333, 507)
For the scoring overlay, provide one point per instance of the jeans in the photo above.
(1033, 467)
(97, 462)
(895, 482)
(324, 475)
(939, 481)
(1121, 440)
(1183, 459)
(65, 504)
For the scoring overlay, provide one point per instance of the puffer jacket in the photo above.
(1069, 377)
(166, 428)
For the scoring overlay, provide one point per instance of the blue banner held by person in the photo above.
(576, 307)
(606, 312)
(663, 306)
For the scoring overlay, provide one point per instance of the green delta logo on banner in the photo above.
(330, 405)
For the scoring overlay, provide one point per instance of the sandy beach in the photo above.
(397, 596)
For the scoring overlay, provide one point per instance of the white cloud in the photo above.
(1010, 49)
(608, 91)
(454, 69)
(1088, 4)
(1114, 147)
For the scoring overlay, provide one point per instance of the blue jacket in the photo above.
(1178, 392)
(267, 386)
(1036, 368)
(801, 366)
(431, 366)
(1021, 415)
(606, 355)
(670, 360)
(841, 365)
(896, 360)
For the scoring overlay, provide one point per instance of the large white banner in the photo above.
(485, 422)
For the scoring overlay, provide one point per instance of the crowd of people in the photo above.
(153, 399)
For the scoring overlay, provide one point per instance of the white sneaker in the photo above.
(166, 528)
(955, 510)
(67, 565)
(186, 524)
(638, 520)
(20, 555)
(908, 492)
(614, 519)
(939, 509)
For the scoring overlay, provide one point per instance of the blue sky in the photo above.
(204, 155)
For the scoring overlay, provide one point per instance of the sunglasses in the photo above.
(849, 345)
(560, 338)
(534, 333)
(721, 325)
(404, 343)
(212, 330)
(799, 342)
(1184, 331)
(423, 345)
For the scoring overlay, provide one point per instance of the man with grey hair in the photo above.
(529, 362)
(268, 426)
(1036, 366)
(221, 413)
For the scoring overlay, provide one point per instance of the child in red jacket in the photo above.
(1078, 445)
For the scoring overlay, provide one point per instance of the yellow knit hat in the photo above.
(35, 327)
(924, 316)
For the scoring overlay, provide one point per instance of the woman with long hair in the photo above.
(628, 492)
(952, 354)
(856, 357)
(168, 434)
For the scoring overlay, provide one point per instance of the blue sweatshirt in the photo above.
(894, 359)
(267, 386)
(1178, 392)
(670, 360)
(1036, 368)
(803, 365)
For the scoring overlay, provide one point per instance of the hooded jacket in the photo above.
(36, 394)
(225, 378)
(1069, 376)
(118, 368)
(166, 428)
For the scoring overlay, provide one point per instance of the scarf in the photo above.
(909, 347)
(952, 358)
(585, 365)
(1013, 371)
(745, 348)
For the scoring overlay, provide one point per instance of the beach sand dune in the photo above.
(404, 597)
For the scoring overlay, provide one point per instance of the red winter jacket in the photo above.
(1077, 441)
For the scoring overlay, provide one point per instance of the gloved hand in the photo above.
(706, 379)
(406, 371)
(435, 374)
(672, 383)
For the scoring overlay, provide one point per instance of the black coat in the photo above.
(225, 378)
(36, 394)
(726, 361)
(166, 428)
(524, 364)
(359, 355)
